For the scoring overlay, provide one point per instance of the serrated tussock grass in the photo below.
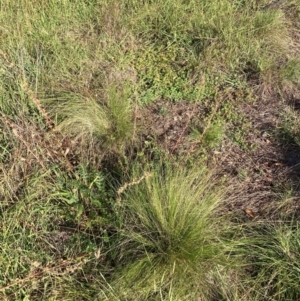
(105, 125)
(274, 254)
(173, 240)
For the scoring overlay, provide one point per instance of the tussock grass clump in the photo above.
(107, 124)
(82, 119)
(275, 256)
(173, 242)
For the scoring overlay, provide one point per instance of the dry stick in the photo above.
(37, 103)
(44, 271)
(134, 182)
(13, 126)
(30, 93)
(48, 120)
(10, 64)
(42, 111)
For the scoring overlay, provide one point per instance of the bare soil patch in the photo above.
(169, 123)
(263, 174)
(259, 174)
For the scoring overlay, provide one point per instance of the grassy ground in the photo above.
(112, 117)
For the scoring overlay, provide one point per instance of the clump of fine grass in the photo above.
(173, 243)
(82, 119)
(275, 256)
(107, 124)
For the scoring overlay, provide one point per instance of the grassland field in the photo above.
(149, 150)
